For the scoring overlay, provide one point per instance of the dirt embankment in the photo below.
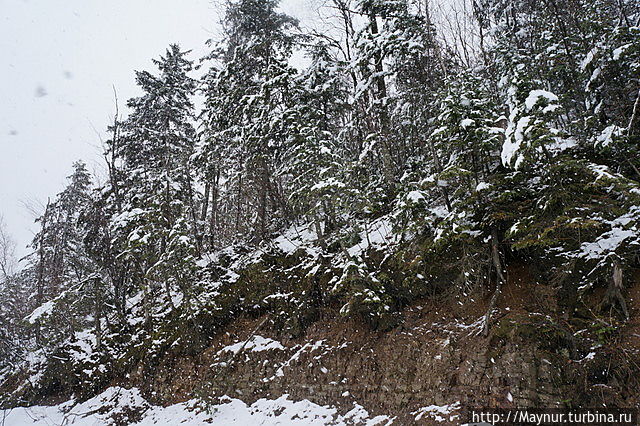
(433, 365)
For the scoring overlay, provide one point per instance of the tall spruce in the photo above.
(245, 127)
(157, 227)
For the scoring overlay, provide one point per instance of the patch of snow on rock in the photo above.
(255, 344)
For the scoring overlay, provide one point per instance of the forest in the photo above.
(413, 159)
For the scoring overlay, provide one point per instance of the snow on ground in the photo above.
(297, 237)
(311, 346)
(117, 401)
(439, 413)
(378, 234)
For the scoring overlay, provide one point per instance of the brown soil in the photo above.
(535, 356)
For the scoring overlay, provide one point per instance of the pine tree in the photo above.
(58, 263)
(157, 227)
(398, 62)
(316, 156)
(531, 131)
(244, 124)
(609, 77)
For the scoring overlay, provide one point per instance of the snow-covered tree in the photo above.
(58, 263)
(315, 157)
(245, 128)
(157, 228)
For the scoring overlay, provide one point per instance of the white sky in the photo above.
(60, 59)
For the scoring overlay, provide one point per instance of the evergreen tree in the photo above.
(58, 263)
(157, 227)
(245, 128)
(399, 65)
(316, 156)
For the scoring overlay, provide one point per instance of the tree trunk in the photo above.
(615, 289)
(500, 278)
(205, 201)
(319, 233)
(213, 223)
(379, 98)
(98, 313)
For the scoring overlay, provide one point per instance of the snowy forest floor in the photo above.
(127, 405)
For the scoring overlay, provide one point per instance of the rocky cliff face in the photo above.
(430, 368)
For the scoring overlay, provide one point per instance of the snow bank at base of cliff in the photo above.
(128, 406)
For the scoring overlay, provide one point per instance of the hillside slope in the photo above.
(434, 364)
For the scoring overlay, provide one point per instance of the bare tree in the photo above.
(7, 252)
(459, 29)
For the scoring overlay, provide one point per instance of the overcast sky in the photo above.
(60, 60)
